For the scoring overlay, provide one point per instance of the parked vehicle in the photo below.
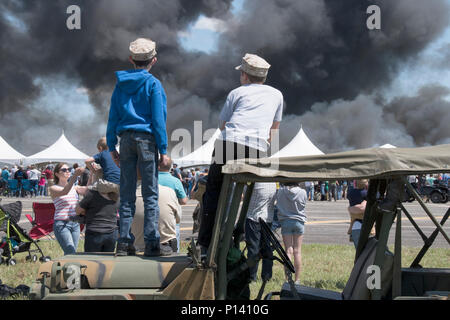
(437, 193)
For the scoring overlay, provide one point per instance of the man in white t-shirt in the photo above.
(248, 117)
(34, 177)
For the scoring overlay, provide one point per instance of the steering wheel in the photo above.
(275, 244)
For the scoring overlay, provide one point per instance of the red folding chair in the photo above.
(43, 220)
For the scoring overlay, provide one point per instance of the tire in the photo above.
(444, 198)
(12, 262)
(436, 197)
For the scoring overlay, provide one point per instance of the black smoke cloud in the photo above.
(321, 52)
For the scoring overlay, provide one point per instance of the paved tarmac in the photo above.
(328, 222)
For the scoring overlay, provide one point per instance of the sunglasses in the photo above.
(64, 170)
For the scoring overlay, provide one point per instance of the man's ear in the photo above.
(153, 61)
(131, 60)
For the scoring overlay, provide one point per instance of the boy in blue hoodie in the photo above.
(138, 116)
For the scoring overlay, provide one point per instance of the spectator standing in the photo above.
(344, 189)
(309, 186)
(177, 172)
(291, 203)
(248, 117)
(357, 198)
(49, 177)
(19, 176)
(41, 185)
(65, 197)
(4, 177)
(138, 115)
(184, 179)
(13, 171)
(261, 205)
(323, 195)
(34, 175)
(332, 190)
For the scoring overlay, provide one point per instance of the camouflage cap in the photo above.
(254, 65)
(142, 49)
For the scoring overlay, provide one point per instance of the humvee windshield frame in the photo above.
(380, 166)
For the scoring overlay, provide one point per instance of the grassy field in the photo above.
(324, 266)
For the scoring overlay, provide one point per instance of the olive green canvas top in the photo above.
(355, 164)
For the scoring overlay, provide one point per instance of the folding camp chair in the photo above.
(13, 188)
(43, 219)
(27, 188)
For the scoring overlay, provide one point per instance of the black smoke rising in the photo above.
(45, 48)
(320, 51)
(369, 121)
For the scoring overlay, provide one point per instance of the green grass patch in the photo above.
(324, 266)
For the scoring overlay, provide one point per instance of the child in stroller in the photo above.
(16, 239)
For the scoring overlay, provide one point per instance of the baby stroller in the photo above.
(16, 239)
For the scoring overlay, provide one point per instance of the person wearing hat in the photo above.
(138, 115)
(248, 117)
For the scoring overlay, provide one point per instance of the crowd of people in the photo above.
(30, 180)
(119, 219)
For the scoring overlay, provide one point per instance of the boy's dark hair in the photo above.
(255, 79)
(142, 64)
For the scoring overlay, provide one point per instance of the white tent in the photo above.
(300, 145)
(8, 154)
(200, 156)
(61, 151)
(387, 146)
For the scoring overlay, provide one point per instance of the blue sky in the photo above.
(203, 36)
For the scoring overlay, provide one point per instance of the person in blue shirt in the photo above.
(4, 178)
(138, 115)
(110, 180)
(165, 178)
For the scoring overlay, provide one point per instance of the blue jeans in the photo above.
(322, 189)
(275, 222)
(100, 242)
(310, 193)
(355, 236)
(257, 244)
(138, 151)
(339, 192)
(41, 190)
(67, 234)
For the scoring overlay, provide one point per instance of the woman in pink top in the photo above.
(65, 197)
(41, 185)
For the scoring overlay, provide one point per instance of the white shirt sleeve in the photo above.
(227, 110)
(279, 113)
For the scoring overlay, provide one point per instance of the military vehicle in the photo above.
(223, 274)
(437, 193)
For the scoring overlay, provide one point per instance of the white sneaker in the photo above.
(297, 283)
